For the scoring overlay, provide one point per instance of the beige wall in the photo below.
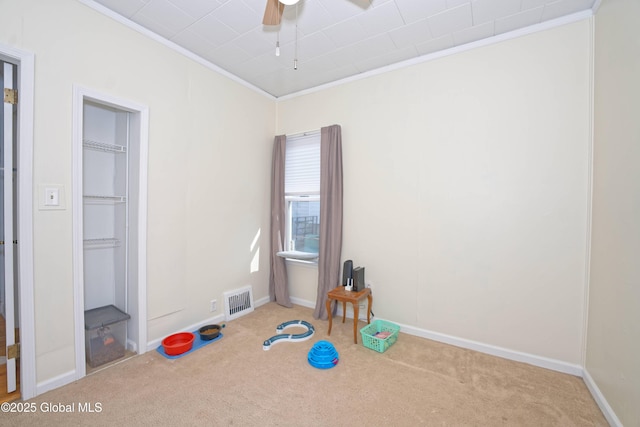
(613, 346)
(466, 185)
(466, 190)
(208, 178)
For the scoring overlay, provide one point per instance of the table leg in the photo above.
(356, 310)
(370, 301)
(344, 310)
(329, 314)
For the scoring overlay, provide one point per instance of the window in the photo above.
(302, 194)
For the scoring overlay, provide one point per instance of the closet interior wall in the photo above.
(105, 216)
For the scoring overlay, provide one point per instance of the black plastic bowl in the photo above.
(209, 332)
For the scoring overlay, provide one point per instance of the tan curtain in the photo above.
(278, 286)
(330, 244)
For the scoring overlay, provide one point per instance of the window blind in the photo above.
(302, 165)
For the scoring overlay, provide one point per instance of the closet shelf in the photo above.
(101, 243)
(94, 198)
(100, 146)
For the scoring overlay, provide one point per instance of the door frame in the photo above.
(141, 113)
(25, 62)
(9, 221)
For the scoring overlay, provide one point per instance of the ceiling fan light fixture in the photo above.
(289, 2)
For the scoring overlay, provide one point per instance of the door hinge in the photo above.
(13, 351)
(11, 96)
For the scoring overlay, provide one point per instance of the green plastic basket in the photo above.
(379, 344)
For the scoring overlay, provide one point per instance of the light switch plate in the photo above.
(51, 197)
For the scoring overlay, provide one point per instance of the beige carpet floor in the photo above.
(234, 382)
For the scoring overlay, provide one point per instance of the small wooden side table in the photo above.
(340, 294)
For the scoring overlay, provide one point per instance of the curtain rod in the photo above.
(306, 133)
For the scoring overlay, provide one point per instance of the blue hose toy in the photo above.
(289, 337)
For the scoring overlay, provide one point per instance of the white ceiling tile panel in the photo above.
(285, 33)
(441, 43)
(124, 7)
(287, 55)
(490, 10)
(274, 83)
(154, 26)
(314, 72)
(312, 16)
(193, 42)
(228, 56)
(164, 14)
(363, 50)
(346, 32)
(380, 19)
(256, 5)
(523, 19)
(411, 34)
(454, 3)
(314, 45)
(450, 20)
(564, 7)
(256, 67)
(254, 43)
(472, 34)
(344, 55)
(319, 65)
(195, 8)
(531, 4)
(292, 83)
(237, 15)
(412, 10)
(271, 87)
(291, 35)
(345, 9)
(336, 38)
(214, 31)
(389, 58)
(378, 3)
(336, 73)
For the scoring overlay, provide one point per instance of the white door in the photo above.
(7, 238)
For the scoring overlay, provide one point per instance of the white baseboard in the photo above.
(261, 301)
(604, 406)
(540, 361)
(132, 346)
(543, 362)
(303, 302)
(69, 377)
(505, 353)
(55, 382)
(152, 345)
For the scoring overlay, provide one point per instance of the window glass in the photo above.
(305, 224)
(302, 192)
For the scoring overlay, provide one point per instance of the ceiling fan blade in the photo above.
(272, 13)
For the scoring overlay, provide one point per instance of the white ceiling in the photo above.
(336, 39)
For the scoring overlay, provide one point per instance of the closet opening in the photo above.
(110, 230)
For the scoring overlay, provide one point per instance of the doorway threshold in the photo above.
(127, 355)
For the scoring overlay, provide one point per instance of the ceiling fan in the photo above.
(273, 11)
